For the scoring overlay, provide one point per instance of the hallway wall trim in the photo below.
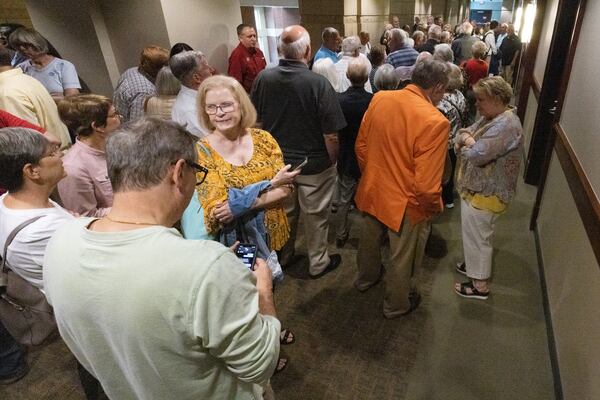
(583, 193)
(558, 389)
(536, 87)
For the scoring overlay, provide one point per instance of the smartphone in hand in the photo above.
(247, 253)
(302, 164)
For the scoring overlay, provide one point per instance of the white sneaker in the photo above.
(449, 205)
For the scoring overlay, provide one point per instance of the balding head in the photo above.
(294, 43)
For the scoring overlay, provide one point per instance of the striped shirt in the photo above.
(404, 57)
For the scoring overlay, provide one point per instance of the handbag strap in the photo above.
(11, 237)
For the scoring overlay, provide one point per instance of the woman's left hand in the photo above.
(222, 213)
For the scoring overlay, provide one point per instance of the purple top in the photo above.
(86, 189)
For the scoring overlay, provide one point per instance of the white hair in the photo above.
(326, 68)
(466, 28)
(350, 45)
(295, 50)
(386, 78)
(398, 35)
(443, 52)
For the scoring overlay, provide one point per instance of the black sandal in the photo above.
(280, 367)
(287, 336)
(469, 291)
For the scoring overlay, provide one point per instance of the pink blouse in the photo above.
(86, 189)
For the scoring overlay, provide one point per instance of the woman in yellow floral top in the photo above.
(238, 156)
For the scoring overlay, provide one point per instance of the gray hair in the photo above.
(166, 83)
(430, 73)
(350, 45)
(386, 78)
(294, 50)
(435, 32)
(418, 34)
(139, 153)
(18, 147)
(328, 32)
(185, 63)
(357, 72)
(26, 36)
(398, 36)
(443, 52)
(466, 28)
(455, 77)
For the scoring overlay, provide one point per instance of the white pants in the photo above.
(477, 232)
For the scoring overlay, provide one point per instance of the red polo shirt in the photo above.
(245, 64)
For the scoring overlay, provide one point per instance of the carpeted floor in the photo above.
(345, 349)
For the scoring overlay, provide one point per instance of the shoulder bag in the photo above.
(24, 310)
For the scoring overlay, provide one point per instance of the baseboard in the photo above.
(558, 390)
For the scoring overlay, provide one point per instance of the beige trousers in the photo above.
(313, 197)
(477, 228)
(403, 259)
(506, 72)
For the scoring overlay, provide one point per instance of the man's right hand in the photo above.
(264, 284)
(264, 279)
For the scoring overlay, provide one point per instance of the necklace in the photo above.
(129, 222)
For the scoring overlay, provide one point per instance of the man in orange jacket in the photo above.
(401, 149)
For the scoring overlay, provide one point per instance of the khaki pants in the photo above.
(477, 228)
(312, 196)
(347, 190)
(506, 72)
(403, 257)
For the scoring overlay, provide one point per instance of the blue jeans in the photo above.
(12, 356)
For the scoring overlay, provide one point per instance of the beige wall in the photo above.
(206, 25)
(580, 117)
(14, 11)
(545, 39)
(571, 269)
(132, 25)
(573, 282)
(529, 120)
(316, 15)
(68, 26)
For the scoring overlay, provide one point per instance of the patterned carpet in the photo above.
(344, 347)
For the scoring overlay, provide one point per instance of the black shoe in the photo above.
(414, 298)
(20, 373)
(334, 262)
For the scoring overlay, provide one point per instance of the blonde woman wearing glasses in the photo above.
(87, 190)
(237, 156)
(247, 180)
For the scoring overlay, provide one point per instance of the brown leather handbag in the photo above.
(24, 310)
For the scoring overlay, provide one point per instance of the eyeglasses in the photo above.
(115, 115)
(200, 171)
(53, 151)
(227, 107)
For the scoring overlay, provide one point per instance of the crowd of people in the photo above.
(126, 213)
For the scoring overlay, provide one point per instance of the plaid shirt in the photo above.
(404, 57)
(132, 89)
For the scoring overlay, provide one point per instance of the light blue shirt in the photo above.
(324, 52)
(56, 77)
(192, 221)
